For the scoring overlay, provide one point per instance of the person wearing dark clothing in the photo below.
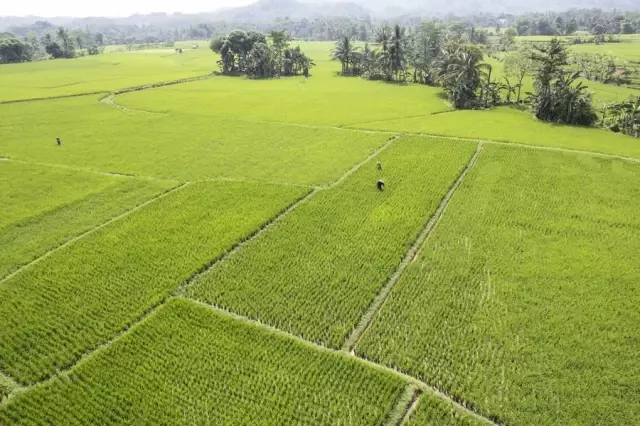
(58, 141)
(380, 185)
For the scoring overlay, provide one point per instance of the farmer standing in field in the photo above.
(380, 183)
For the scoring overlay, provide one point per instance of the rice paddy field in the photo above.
(215, 251)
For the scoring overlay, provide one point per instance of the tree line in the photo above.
(260, 56)
(57, 44)
(439, 56)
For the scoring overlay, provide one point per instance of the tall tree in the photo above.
(344, 51)
(397, 51)
(280, 41)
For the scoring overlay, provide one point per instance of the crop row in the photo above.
(524, 301)
(82, 295)
(26, 240)
(189, 364)
(317, 271)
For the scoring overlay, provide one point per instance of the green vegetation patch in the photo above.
(321, 100)
(432, 410)
(180, 147)
(188, 364)
(511, 125)
(24, 241)
(316, 272)
(28, 189)
(102, 73)
(82, 295)
(524, 300)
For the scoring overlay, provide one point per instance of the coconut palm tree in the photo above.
(344, 51)
(461, 72)
(397, 51)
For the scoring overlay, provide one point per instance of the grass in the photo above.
(317, 271)
(80, 297)
(180, 367)
(26, 240)
(523, 301)
(28, 189)
(180, 147)
(511, 125)
(101, 73)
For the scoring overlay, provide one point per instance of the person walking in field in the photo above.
(58, 141)
(380, 185)
(379, 166)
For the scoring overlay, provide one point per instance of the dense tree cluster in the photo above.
(259, 56)
(13, 50)
(557, 97)
(594, 21)
(434, 54)
(54, 43)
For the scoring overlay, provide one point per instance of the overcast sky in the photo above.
(82, 8)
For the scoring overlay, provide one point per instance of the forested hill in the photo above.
(270, 10)
(466, 7)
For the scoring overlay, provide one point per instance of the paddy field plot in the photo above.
(82, 296)
(329, 101)
(28, 189)
(181, 147)
(524, 300)
(101, 73)
(317, 271)
(28, 239)
(512, 126)
(188, 364)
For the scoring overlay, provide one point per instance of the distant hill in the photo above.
(269, 10)
(273, 10)
(465, 7)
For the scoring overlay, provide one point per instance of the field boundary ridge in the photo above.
(403, 405)
(112, 92)
(378, 302)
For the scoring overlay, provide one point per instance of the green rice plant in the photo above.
(179, 147)
(523, 302)
(28, 190)
(511, 125)
(317, 271)
(189, 364)
(81, 296)
(323, 99)
(23, 241)
(101, 73)
(435, 411)
(6, 387)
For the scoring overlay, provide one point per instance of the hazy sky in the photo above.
(81, 8)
